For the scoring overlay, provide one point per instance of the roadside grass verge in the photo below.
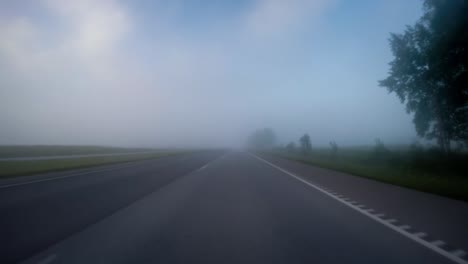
(15, 151)
(423, 171)
(28, 167)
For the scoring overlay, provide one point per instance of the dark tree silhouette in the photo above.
(334, 148)
(306, 146)
(262, 139)
(430, 71)
(291, 147)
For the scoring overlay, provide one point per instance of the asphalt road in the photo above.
(39, 211)
(210, 207)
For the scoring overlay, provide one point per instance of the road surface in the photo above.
(220, 207)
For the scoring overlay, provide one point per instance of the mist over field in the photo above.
(184, 74)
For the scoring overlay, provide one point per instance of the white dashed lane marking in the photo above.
(421, 234)
(438, 243)
(203, 167)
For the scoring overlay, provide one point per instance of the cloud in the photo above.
(83, 78)
(270, 18)
(58, 70)
(175, 84)
(87, 36)
(95, 27)
(93, 33)
(99, 72)
(19, 44)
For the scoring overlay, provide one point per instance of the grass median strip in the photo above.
(27, 167)
(59, 150)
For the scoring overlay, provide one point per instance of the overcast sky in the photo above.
(199, 73)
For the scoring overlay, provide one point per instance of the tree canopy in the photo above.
(262, 139)
(429, 71)
(306, 146)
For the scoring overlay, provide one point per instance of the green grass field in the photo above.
(26, 167)
(45, 150)
(423, 170)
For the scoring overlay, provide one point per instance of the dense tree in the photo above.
(306, 146)
(430, 71)
(291, 147)
(262, 139)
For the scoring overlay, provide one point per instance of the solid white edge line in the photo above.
(429, 245)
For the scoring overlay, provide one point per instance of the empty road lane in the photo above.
(39, 211)
(236, 209)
